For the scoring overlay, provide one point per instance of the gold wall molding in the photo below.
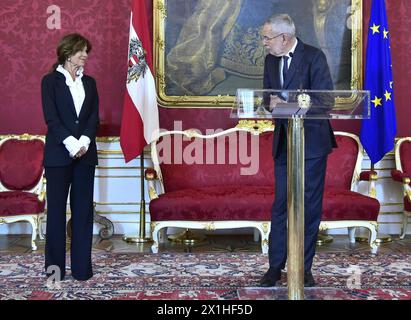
(117, 168)
(391, 214)
(108, 139)
(386, 204)
(227, 16)
(117, 177)
(118, 203)
(256, 127)
(110, 152)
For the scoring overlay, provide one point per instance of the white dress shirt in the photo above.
(290, 57)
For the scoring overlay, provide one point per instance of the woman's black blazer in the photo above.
(62, 120)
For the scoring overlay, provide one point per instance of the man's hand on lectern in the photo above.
(274, 100)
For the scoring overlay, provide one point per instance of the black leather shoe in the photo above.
(270, 278)
(308, 279)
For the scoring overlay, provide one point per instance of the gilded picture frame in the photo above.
(205, 49)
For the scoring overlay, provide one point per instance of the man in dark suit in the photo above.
(292, 65)
(70, 107)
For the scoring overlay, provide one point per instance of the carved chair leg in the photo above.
(373, 240)
(264, 242)
(40, 226)
(162, 235)
(256, 235)
(323, 238)
(351, 234)
(264, 234)
(154, 235)
(106, 232)
(34, 230)
(404, 225)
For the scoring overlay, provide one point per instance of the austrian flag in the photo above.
(139, 123)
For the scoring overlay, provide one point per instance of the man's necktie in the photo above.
(285, 67)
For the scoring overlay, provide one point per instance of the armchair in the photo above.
(343, 205)
(402, 174)
(22, 182)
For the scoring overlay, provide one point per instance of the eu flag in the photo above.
(378, 133)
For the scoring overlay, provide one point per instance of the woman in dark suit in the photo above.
(70, 107)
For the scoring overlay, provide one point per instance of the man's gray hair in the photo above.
(282, 23)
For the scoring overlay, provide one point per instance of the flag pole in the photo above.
(141, 237)
(140, 110)
(381, 238)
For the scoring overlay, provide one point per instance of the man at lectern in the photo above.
(292, 65)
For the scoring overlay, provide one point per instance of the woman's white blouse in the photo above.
(76, 87)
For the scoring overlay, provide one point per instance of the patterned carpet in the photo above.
(222, 276)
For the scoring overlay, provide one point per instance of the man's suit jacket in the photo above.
(62, 120)
(308, 70)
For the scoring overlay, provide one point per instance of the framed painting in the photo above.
(205, 49)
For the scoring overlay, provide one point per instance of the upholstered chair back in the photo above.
(22, 182)
(405, 156)
(402, 174)
(21, 163)
(342, 163)
(238, 158)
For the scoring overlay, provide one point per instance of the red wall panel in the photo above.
(28, 49)
(399, 21)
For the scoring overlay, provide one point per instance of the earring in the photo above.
(69, 59)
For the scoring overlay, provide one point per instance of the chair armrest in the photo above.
(151, 176)
(407, 191)
(368, 176)
(372, 177)
(405, 179)
(400, 176)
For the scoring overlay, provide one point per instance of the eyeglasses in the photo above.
(265, 38)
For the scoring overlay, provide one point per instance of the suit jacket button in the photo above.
(76, 121)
